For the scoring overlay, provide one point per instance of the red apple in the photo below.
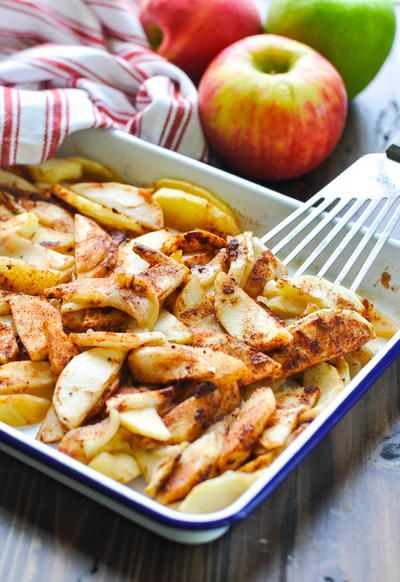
(190, 33)
(272, 108)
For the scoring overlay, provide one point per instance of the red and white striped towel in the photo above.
(67, 65)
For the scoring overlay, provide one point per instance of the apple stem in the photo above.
(154, 35)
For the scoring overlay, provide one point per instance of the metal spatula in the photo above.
(349, 221)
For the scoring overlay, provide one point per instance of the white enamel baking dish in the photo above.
(259, 209)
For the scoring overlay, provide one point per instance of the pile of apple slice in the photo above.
(150, 337)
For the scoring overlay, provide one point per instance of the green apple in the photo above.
(354, 35)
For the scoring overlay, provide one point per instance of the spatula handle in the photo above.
(393, 151)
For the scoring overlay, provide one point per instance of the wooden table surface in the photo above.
(336, 519)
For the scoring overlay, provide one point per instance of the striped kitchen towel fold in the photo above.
(67, 65)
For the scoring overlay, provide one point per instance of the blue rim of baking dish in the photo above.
(109, 490)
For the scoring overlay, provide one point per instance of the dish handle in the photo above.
(393, 151)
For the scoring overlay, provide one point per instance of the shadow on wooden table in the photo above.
(52, 532)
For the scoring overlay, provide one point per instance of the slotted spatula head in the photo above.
(346, 224)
